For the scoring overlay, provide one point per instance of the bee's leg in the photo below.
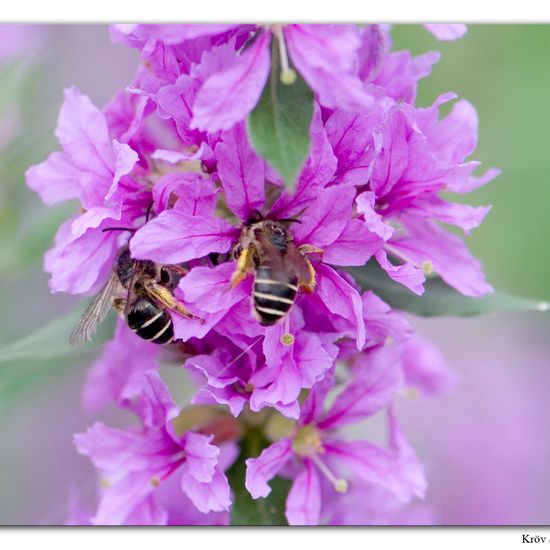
(119, 305)
(244, 266)
(309, 284)
(178, 269)
(164, 297)
(309, 249)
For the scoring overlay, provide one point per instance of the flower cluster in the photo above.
(284, 349)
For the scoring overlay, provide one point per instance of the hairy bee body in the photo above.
(150, 322)
(141, 293)
(267, 249)
(273, 294)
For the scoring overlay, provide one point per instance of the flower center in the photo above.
(308, 443)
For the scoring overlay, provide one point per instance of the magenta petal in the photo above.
(216, 372)
(325, 55)
(382, 321)
(266, 466)
(122, 357)
(326, 218)
(380, 467)
(228, 96)
(201, 457)
(341, 299)
(425, 367)
(212, 496)
(194, 194)
(112, 449)
(83, 134)
(149, 397)
(312, 407)
(174, 237)
(209, 288)
(355, 245)
(447, 31)
(123, 502)
(448, 255)
(125, 160)
(78, 265)
(303, 504)
(374, 384)
(406, 274)
(241, 172)
(55, 179)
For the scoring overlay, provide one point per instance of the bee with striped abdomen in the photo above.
(141, 293)
(281, 269)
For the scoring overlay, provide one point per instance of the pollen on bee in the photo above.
(287, 339)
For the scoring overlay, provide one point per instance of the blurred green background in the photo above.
(502, 69)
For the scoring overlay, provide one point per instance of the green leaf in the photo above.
(51, 341)
(262, 511)
(278, 127)
(439, 299)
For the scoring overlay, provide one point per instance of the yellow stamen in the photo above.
(427, 268)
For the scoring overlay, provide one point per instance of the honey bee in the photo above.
(266, 248)
(146, 289)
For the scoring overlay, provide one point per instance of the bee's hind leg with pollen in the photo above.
(244, 266)
(168, 300)
(308, 284)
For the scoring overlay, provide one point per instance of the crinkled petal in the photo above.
(174, 237)
(373, 386)
(425, 367)
(325, 219)
(241, 172)
(189, 193)
(303, 503)
(122, 357)
(448, 255)
(341, 299)
(446, 31)
(78, 265)
(209, 288)
(406, 274)
(83, 134)
(128, 502)
(55, 180)
(149, 397)
(355, 245)
(201, 457)
(212, 496)
(266, 466)
(228, 96)
(382, 321)
(325, 56)
(378, 466)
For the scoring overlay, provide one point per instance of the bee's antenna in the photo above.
(131, 230)
(290, 220)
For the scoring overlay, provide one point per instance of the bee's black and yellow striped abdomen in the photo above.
(273, 296)
(150, 322)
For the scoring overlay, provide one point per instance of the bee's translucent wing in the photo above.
(95, 313)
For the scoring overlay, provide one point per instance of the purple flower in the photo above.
(94, 169)
(134, 462)
(325, 56)
(314, 451)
